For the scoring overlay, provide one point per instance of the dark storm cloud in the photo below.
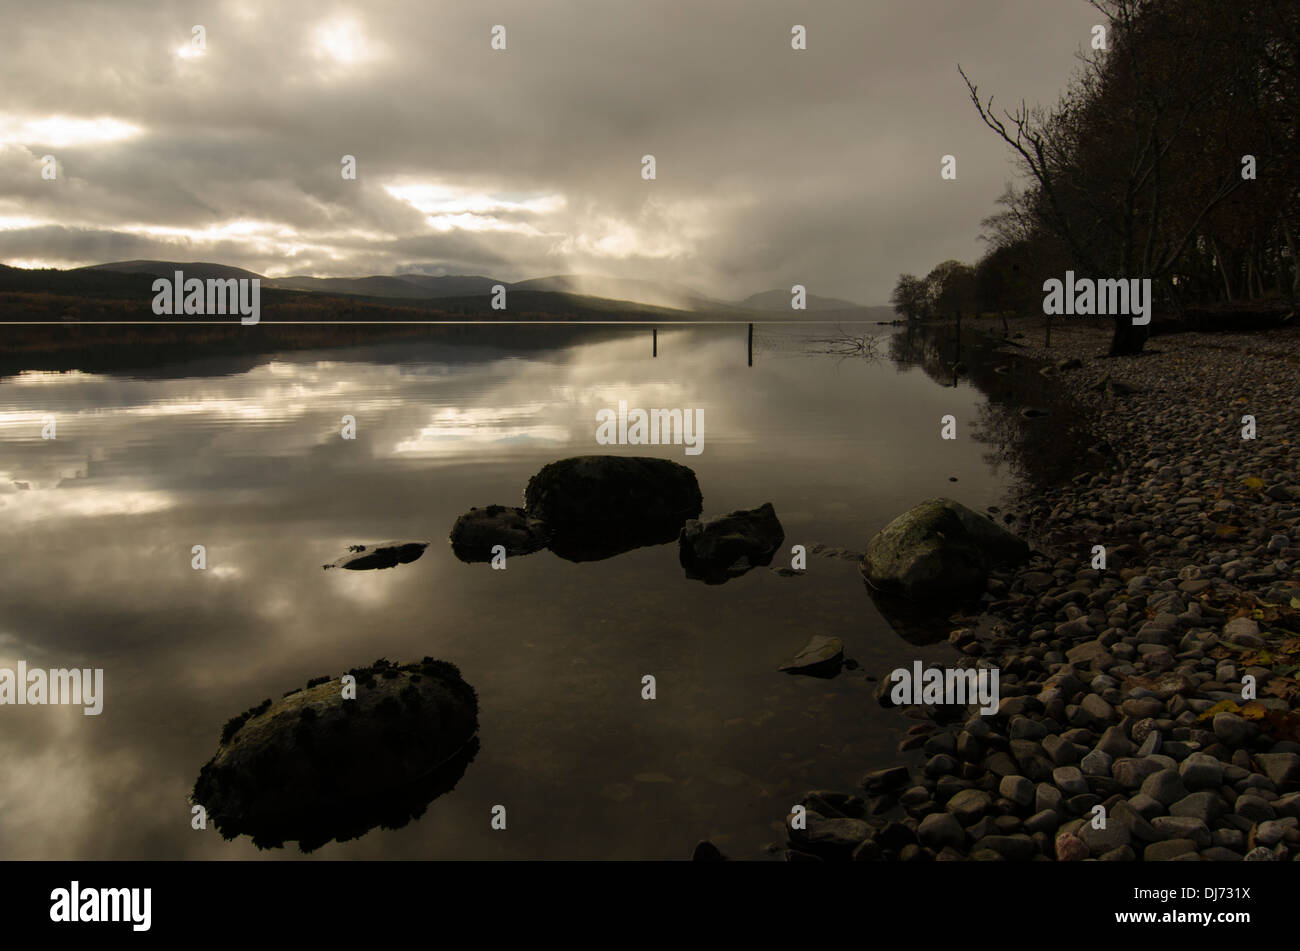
(774, 166)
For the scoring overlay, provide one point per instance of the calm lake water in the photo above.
(247, 459)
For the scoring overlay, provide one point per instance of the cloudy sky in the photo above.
(774, 166)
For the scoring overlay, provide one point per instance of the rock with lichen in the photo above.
(939, 549)
(480, 530)
(318, 765)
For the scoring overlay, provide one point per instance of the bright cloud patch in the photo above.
(342, 43)
(62, 132)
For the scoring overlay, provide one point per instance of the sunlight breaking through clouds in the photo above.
(62, 132)
(435, 199)
(452, 208)
(513, 163)
(342, 43)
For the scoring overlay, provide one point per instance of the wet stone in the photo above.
(1099, 841)
(1165, 787)
(1205, 806)
(1182, 827)
(1168, 850)
(1069, 780)
(941, 829)
(1200, 771)
(1017, 789)
(969, 805)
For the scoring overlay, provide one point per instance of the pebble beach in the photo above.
(1161, 688)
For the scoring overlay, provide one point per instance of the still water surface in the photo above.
(249, 462)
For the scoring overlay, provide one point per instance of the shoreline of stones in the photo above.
(1122, 688)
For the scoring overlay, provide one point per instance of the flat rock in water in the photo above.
(599, 506)
(823, 657)
(478, 531)
(314, 766)
(938, 550)
(383, 555)
(717, 549)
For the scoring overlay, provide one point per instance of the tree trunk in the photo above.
(1128, 340)
(1295, 263)
(1279, 266)
(1223, 270)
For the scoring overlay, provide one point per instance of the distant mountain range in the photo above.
(779, 300)
(429, 287)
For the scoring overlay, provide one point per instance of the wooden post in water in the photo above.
(654, 342)
(750, 347)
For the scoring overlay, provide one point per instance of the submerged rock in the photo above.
(598, 506)
(823, 657)
(383, 555)
(706, 851)
(939, 549)
(478, 531)
(313, 766)
(717, 549)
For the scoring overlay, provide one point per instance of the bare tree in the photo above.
(1111, 162)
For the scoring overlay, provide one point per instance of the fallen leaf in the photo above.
(1284, 726)
(1282, 687)
(1223, 706)
(1254, 710)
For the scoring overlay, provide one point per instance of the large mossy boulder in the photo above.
(598, 506)
(717, 549)
(316, 766)
(940, 550)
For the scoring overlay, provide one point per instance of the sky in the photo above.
(773, 166)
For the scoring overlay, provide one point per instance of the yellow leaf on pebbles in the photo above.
(1254, 710)
(1258, 659)
(1223, 706)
